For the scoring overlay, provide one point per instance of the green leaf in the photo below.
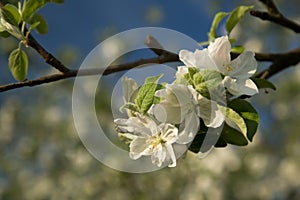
(39, 22)
(234, 120)
(11, 14)
(235, 16)
(18, 64)
(217, 19)
(263, 83)
(248, 113)
(32, 6)
(221, 143)
(13, 2)
(233, 136)
(197, 143)
(189, 76)
(238, 49)
(205, 80)
(146, 93)
(4, 34)
(211, 78)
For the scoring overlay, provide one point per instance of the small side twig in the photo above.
(48, 57)
(274, 15)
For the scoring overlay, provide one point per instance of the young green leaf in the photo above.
(189, 76)
(18, 64)
(42, 26)
(235, 16)
(234, 120)
(263, 83)
(248, 113)
(11, 14)
(32, 6)
(197, 143)
(4, 34)
(233, 136)
(211, 78)
(146, 93)
(213, 30)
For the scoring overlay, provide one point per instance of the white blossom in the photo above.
(182, 105)
(217, 56)
(149, 139)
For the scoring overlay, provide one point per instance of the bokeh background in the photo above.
(42, 157)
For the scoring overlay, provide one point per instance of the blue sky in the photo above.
(79, 23)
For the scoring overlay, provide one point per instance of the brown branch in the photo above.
(164, 58)
(48, 57)
(280, 62)
(271, 7)
(275, 16)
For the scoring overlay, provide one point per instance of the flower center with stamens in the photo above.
(228, 68)
(153, 141)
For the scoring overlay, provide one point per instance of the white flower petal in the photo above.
(165, 112)
(240, 86)
(159, 155)
(181, 71)
(169, 133)
(188, 129)
(139, 147)
(199, 59)
(178, 101)
(203, 60)
(187, 57)
(244, 66)
(210, 113)
(219, 51)
(171, 153)
(129, 87)
(136, 125)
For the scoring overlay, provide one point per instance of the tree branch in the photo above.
(163, 58)
(280, 62)
(48, 57)
(275, 16)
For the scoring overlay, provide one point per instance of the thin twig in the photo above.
(274, 15)
(48, 57)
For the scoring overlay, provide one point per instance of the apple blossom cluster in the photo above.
(165, 117)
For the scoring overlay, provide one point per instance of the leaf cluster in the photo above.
(18, 19)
